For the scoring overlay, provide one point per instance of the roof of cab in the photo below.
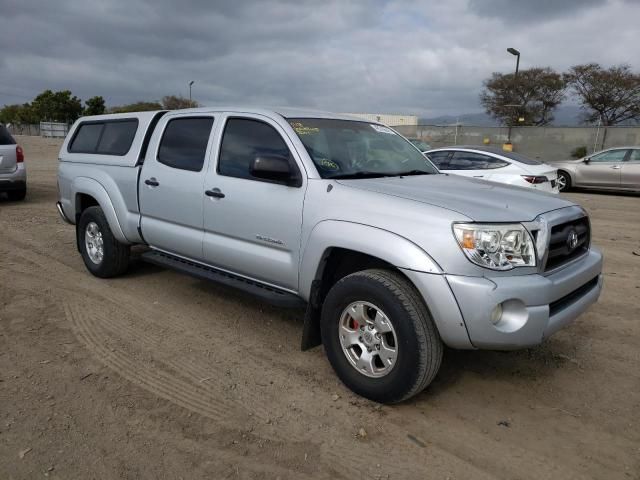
(286, 112)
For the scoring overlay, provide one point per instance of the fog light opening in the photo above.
(496, 314)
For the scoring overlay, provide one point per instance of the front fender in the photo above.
(91, 187)
(383, 244)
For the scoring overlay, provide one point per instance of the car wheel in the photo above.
(379, 336)
(103, 255)
(564, 181)
(17, 195)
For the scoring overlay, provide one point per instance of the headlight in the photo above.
(498, 247)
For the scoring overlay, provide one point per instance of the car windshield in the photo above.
(353, 149)
(422, 146)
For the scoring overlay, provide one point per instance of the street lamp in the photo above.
(192, 82)
(515, 52)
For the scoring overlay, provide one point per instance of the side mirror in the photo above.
(275, 168)
(586, 160)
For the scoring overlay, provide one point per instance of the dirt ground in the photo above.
(158, 375)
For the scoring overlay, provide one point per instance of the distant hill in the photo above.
(565, 116)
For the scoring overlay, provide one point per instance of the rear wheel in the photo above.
(103, 255)
(17, 195)
(379, 336)
(564, 181)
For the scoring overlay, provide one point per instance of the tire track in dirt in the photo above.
(173, 376)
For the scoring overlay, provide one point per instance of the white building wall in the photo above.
(388, 119)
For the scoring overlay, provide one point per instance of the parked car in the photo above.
(496, 165)
(420, 144)
(391, 259)
(13, 173)
(615, 168)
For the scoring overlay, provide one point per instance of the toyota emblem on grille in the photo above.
(572, 240)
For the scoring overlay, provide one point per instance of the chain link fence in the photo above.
(544, 143)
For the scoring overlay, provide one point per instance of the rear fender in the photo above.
(89, 186)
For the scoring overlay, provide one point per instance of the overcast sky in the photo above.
(423, 57)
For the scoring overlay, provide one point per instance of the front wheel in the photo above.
(379, 336)
(564, 181)
(103, 255)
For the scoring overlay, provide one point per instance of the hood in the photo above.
(479, 200)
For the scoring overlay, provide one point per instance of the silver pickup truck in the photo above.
(391, 259)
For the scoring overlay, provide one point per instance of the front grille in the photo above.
(567, 300)
(560, 251)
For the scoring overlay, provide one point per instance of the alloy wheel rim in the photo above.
(562, 182)
(94, 243)
(368, 339)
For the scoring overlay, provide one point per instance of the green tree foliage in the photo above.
(136, 107)
(533, 95)
(59, 106)
(95, 106)
(17, 114)
(610, 95)
(173, 102)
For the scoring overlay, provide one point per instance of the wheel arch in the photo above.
(328, 257)
(568, 174)
(333, 239)
(87, 193)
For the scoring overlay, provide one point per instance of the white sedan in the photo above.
(496, 165)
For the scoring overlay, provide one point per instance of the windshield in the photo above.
(353, 149)
(422, 146)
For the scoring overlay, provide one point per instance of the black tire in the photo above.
(567, 181)
(419, 352)
(115, 259)
(17, 195)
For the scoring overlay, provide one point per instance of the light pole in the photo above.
(515, 52)
(192, 82)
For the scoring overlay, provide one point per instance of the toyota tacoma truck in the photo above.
(391, 259)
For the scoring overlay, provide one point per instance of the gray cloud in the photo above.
(422, 57)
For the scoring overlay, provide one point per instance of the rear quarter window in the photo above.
(5, 136)
(104, 138)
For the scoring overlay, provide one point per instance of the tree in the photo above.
(17, 114)
(609, 95)
(95, 106)
(137, 107)
(59, 106)
(533, 95)
(173, 102)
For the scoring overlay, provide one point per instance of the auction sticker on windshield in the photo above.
(302, 130)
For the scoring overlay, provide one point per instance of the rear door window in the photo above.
(184, 143)
(474, 161)
(5, 136)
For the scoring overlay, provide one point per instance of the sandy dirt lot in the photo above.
(158, 375)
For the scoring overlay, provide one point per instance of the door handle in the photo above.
(615, 167)
(216, 193)
(152, 182)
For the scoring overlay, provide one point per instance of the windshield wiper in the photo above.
(412, 172)
(365, 174)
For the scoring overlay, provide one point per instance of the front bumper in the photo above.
(533, 306)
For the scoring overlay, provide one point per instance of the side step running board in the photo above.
(267, 293)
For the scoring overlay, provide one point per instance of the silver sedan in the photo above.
(616, 168)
